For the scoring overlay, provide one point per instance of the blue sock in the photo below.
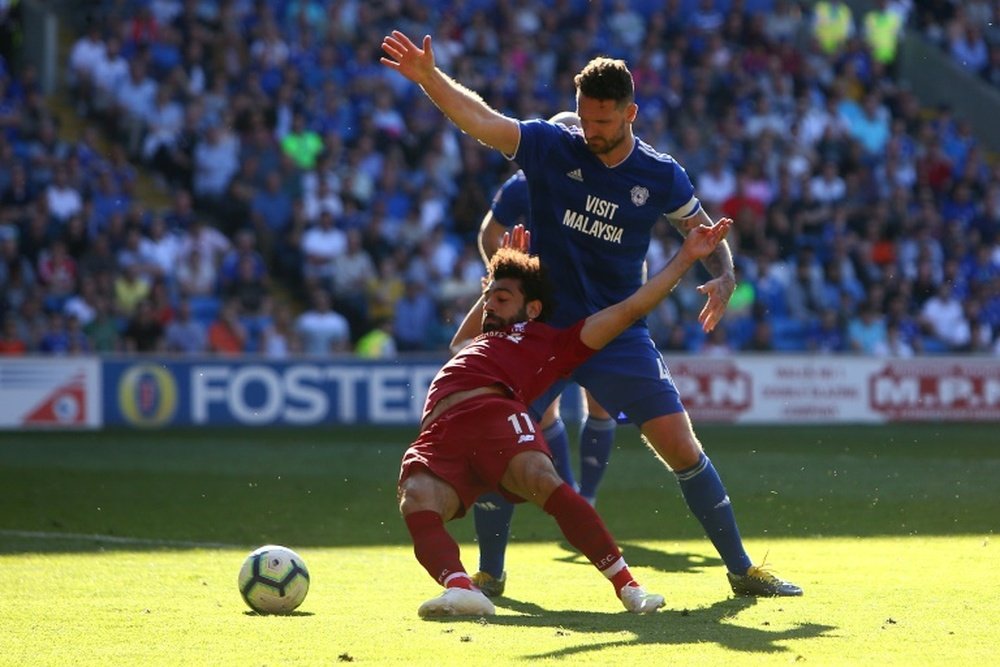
(708, 501)
(596, 439)
(492, 514)
(555, 435)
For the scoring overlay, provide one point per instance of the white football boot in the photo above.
(638, 601)
(458, 602)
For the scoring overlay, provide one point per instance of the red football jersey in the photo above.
(526, 358)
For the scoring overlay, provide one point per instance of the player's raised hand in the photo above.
(517, 238)
(719, 290)
(703, 240)
(413, 62)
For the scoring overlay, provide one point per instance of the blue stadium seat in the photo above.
(773, 297)
(739, 331)
(690, 6)
(758, 6)
(788, 334)
(693, 335)
(252, 343)
(932, 345)
(205, 308)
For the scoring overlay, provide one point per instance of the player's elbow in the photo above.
(501, 132)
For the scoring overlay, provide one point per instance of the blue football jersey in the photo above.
(590, 223)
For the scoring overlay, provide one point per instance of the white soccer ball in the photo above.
(273, 580)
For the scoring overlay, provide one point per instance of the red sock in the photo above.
(585, 530)
(460, 580)
(621, 579)
(436, 550)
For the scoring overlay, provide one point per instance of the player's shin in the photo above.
(596, 440)
(492, 514)
(558, 441)
(707, 498)
(585, 530)
(436, 550)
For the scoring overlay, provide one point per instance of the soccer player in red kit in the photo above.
(477, 436)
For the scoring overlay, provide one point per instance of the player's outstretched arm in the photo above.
(470, 327)
(490, 235)
(603, 326)
(463, 107)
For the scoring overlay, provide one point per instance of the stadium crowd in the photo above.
(968, 31)
(317, 203)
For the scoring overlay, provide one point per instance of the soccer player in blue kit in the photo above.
(493, 513)
(596, 193)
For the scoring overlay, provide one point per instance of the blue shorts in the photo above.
(628, 378)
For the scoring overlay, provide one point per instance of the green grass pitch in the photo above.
(123, 548)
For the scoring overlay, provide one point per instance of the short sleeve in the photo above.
(537, 139)
(683, 203)
(569, 349)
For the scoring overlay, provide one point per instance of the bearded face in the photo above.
(504, 305)
(494, 322)
(602, 144)
(606, 125)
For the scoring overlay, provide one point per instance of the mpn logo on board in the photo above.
(936, 390)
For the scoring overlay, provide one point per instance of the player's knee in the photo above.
(551, 415)
(532, 476)
(415, 495)
(679, 451)
(687, 456)
(543, 480)
(407, 502)
(594, 409)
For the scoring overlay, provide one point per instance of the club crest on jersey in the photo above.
(516, 334)
(639, 195)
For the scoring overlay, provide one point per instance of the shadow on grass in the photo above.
(702, 625)
(697, 626)
(637, 555)
(256, 614)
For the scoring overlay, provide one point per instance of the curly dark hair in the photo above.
(520, 266)
(606, 78)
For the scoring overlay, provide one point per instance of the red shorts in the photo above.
(470, 445)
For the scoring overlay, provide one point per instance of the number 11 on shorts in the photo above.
(525, 433)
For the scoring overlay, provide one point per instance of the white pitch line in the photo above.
(115, 539)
